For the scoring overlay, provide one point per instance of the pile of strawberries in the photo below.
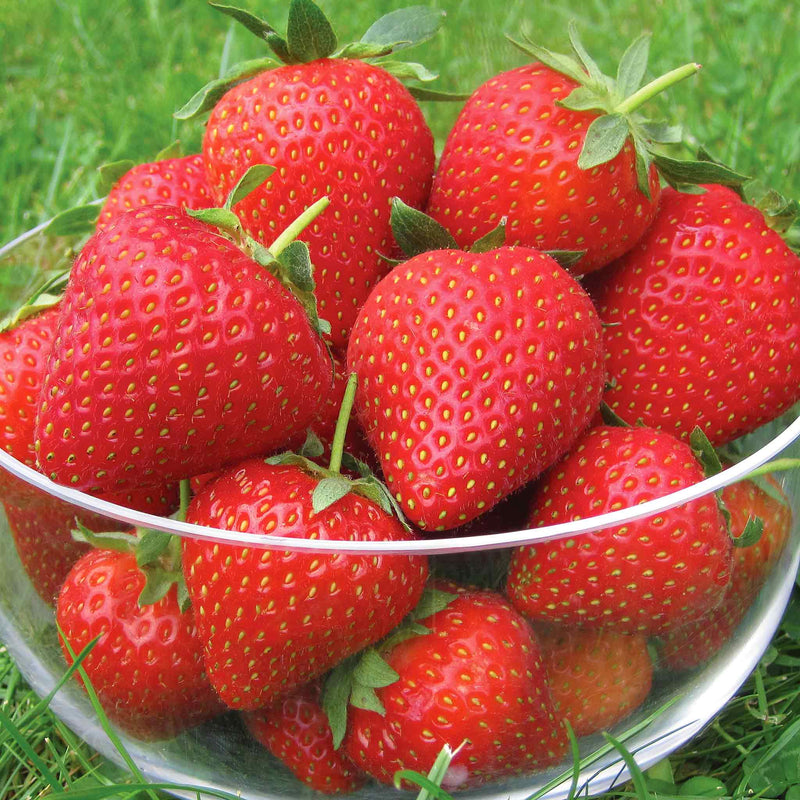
(315, 328)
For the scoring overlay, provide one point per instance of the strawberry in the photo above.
(147, 665)
(43, 540)
(559, 150)
(339, 126)
(24, 348)
(273, 620)
(748, 503)
(177, 181)
(646, 576)
(476, 372)
(701, 319)
(596, 677)
(295, 730)
(475, 677)
(176, 353)
(42, 532)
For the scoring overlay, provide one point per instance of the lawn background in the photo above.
(86, 82)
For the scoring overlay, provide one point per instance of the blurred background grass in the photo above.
(85, 82)
(91, 81)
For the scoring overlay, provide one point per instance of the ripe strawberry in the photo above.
(559, 150)
(179, 181)
(296, 731)
(42, 533)
(176, 354)
(476, 371)
(596, 677)
(147, 665)
(24, 349)
(701, 320)
(43, 540)
(645, 576)
(274, 620)
(690, 645)
(477, 677)
(340, 127)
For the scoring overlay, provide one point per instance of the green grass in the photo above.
(90, 81)
(86, 82)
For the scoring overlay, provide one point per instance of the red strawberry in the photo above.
(691, 645)
(596, 677)
(476, 678)
(176, 354)
(476, 371)
(42, 533)
(296, 731)
(274, 620)
(43, 541)
(179, 181)
(645, 576)
(701, 320)
(24, 349)
(559, 151)
(147, 666)
(341, 127)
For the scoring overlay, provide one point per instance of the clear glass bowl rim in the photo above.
(428, 545)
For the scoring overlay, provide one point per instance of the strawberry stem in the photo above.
(337, 446)
(298, 226)
(776, 465)
(640, 97)
(185, 488)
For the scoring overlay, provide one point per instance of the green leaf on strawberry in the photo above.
(251, 180)
(329, 490)
(415, 232)
(409, 70)
(46, 295)
(207, 97)
(782, 214)
(705, 452)
(404, 27)
(604, 139)
(257, 26)
(684, 174)
(354, 681)
(492, 240)
(309, 34)
(310, 37)
(157, 555)
(119, 541)
(287, 258)
(618, 99)
(111, 172)
(73, 221)
(751, 533)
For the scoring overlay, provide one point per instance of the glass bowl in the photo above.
(221, 755)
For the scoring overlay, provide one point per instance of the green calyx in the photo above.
(354, 682)
(287, 258)
(415, 233)
(712, 465)
(158, 555)
(310, 36)
(782, 214)
(619, 101)
(45, 296)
